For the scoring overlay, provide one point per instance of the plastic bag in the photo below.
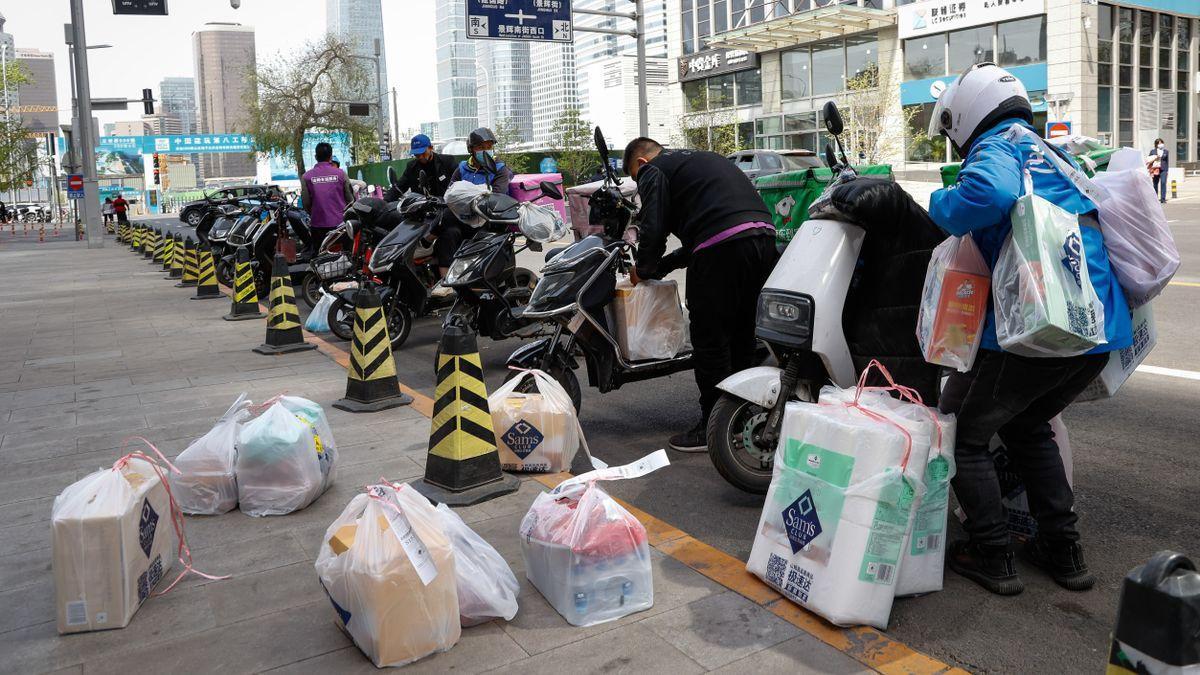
(953, 304)
(536, 431)
(279, 466)
(207, 482)
(311, 413)
(487, 587)
(460, 199)
(1140, 245)
(650, 321)
(1123, 362)
(540, 223)
(389, 570)
(318, 318)
(585, 553)
(1044, 301)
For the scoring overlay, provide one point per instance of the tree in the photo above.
(704, 129)
(508, 136)
(296, 94)
(18, 151)
(572, 137)
(873, 127)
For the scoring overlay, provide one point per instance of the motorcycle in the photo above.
(277, 228)
(574, 295)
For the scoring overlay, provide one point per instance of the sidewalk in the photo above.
(97, 346)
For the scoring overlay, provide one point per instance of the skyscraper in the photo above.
(458, 113)
(8, 95)
(554, 87)
(39, 97)
(223, 54)
(177, 97)
(360, 22)
(503, 82)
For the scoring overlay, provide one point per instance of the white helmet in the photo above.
(982, 96)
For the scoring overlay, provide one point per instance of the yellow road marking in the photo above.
(1191, 284)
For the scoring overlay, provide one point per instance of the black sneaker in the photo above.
(1063, 562)
(692, 440)
(990, 567)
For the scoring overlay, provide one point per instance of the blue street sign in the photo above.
(537, 20)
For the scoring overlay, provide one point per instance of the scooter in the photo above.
(283, 224)
(800, 319)
(574, 295)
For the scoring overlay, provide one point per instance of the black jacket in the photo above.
(692, 194)
(437, 176)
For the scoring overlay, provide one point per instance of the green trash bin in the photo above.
(788, 195)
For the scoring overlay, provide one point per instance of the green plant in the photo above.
(572, 139)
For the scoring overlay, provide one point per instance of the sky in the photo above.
(147, 49)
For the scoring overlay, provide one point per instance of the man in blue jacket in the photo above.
(1006, 394)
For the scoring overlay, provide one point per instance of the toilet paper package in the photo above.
(832, 528)
(206, 483)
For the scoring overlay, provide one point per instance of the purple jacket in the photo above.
(325, 191)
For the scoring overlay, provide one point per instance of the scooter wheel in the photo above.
(310, 289)
(224, 274)
(400, 320)
(734, 428)
(341, 319)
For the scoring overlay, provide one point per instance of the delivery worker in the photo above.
(728, 248)
(437, 167)
(1006, 394)
(325, 192)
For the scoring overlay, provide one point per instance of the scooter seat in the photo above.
(552, 253)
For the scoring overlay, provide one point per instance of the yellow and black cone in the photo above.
(168, 252)
(121, 233)
(283, 318)
(245, 292)
(189, 264)
(371, 383)
(160, 247)
(135, 244)
(151, 242)
(177, 256)
(462, 466)
(206, 276)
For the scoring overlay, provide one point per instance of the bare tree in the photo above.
(873, 127)
(297, 94)
(508, 135)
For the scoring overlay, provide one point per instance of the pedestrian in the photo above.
(325, 192)
(1006, 394)
(121, 208)
(436, 167)
(728, 250)
(3, 212)
(107, 210)
(1159, 163)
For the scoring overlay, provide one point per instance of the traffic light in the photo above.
(358, 109)
(148, 101)
(156, 175)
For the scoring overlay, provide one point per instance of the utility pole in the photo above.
(638, 33)
(380, 123)
(395, 118)
(87, 141)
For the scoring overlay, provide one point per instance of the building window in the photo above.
(749, 87)
(924, 57)
(1021, 42)
(970, 46)
(745, 132)
(796, 67)
(928, 149)
(828, 68)
(720, 91)
(695, 96)
(689, 29)
(1104, 110)
(862, 56)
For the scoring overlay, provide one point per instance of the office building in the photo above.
(554, 88)
(610, 98)
(591, 47)
(177, 97)
(9, 97)
(223, 53)
(430, 129)
(360, 22)
(130, 128)
(458, 112)
(162, 124)
(502, 80)
(39, 97)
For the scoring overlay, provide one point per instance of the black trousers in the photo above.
(450, 233)
(1015, 397)
(722, 296)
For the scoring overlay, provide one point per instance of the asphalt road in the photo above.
(1136, 476)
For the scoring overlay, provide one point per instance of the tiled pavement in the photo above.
(95, 346)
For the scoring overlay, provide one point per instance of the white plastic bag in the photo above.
(540, 223)
(536, 431)
(1140, 245)
(487, 587)
(650, 320)
(318, 318)
(953, 304)
(1044, 301)
(585, 553)
(279, 467)
(460, 199)
(207, 483)
(389, 570)
(311, 413)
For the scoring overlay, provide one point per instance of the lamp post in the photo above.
(87, 140)
(379, 123)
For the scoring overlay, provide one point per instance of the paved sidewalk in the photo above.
(95, 346)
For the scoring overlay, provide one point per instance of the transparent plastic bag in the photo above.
(540, 223)
(278, 468)
(311, 413)
(207, 482)
(536, 431)
(460, 199)
(389, 570)
(1044, 301)
(953, 304)
(650, 320)
(1140, 245)
(318, 318)
(487, 587)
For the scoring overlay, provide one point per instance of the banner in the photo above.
(283, 167)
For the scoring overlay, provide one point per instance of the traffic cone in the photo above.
(177, 256)
(462, 467)
(206, 276)
(371, 383)
(245, 291)
(42, 233)
(168, 252)
(189, 264)
(283, 319)
(160, 248)
(135, 243)
(151, 242)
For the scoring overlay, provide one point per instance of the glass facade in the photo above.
(701, 19)
(823, 68)
(730, 90)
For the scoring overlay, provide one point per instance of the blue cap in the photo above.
(420, 143)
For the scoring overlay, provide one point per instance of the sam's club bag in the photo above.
(1045, 304)
(536, 430)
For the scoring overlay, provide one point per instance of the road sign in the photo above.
(1058, 129)
(548, 165)
(536, 20)
(150, 7)
(75, 186)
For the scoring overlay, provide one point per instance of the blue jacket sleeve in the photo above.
(988, 186)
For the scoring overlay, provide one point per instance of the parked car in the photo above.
(755, 163)
(192, 212)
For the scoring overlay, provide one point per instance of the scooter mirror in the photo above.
(830, 156)
(601, 145)
(393, 179)
(833, 118)
(489, 163)
(550, 190)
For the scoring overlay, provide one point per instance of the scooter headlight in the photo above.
(784, 317)
(460, 270)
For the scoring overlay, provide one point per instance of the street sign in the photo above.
(147, 7)
(548, 165)
(1058, 129)
(536, 20)
(75, 186)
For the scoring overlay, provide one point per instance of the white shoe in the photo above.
(441, 291)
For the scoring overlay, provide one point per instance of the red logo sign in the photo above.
(1057, 129)
(75, 182)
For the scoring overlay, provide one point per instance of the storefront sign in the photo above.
(939, 16)
(715, 62)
